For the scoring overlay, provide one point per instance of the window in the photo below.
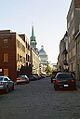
(5, 72)
(5, 57)
(74, 51)
(68, 25)
(20, 58)
(26, 45)
(17, 57)
(26, 57)
(5, 42)
(5, 79)
(72, 15)
(69, 40)
(73, 31)
(23, 48)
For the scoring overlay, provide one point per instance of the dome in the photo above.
(42, 51)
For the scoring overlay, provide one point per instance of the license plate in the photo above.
(66, 85)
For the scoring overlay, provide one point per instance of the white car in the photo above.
(6, 84)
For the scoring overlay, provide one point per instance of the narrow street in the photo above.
(39, 100)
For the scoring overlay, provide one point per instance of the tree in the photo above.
(48, 69)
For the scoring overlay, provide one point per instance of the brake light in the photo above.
(58, 81)
(73, 80)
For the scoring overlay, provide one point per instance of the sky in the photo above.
(49, 18)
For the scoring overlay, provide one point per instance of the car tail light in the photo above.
(57, 81)
(72, 81)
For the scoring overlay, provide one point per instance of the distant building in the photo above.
(35, 60)
(43, 58)
(33, 42)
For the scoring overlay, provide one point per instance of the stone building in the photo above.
(63, 54)
(73, 23)
(77, 40)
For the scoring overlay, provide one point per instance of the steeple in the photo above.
(33, 42)
(32, 31)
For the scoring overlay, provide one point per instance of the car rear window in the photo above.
(64, 76)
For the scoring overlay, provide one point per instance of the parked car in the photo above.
(32, 77)
(64, 80)
(6, 84)
(53, 75)
(22, 79)
(37, 76)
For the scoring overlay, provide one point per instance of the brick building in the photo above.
(12, 53)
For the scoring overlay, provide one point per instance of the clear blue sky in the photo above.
(47, 16)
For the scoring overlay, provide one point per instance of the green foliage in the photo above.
(48, 69)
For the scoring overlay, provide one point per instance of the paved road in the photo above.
(38, 100)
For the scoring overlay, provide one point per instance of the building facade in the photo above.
(73, 24)
(77, 40)
(12, 53)
(35, 61)
(63, 54)
(27, 51)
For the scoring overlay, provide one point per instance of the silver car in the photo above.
(22, 79)
(6, 84)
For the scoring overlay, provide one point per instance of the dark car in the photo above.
(37, 76)
(53, 75)
(6, 84)
(32, 77)
(22, 79)
(64, 80)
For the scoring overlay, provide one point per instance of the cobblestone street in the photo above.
(39, 100)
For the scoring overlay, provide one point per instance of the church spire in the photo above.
(33, 42)
(32, 31)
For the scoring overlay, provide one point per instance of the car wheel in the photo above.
(55, 87)
(13, 87)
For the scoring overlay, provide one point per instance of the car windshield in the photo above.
(23, 76)
(64, 76)
(1, 78)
